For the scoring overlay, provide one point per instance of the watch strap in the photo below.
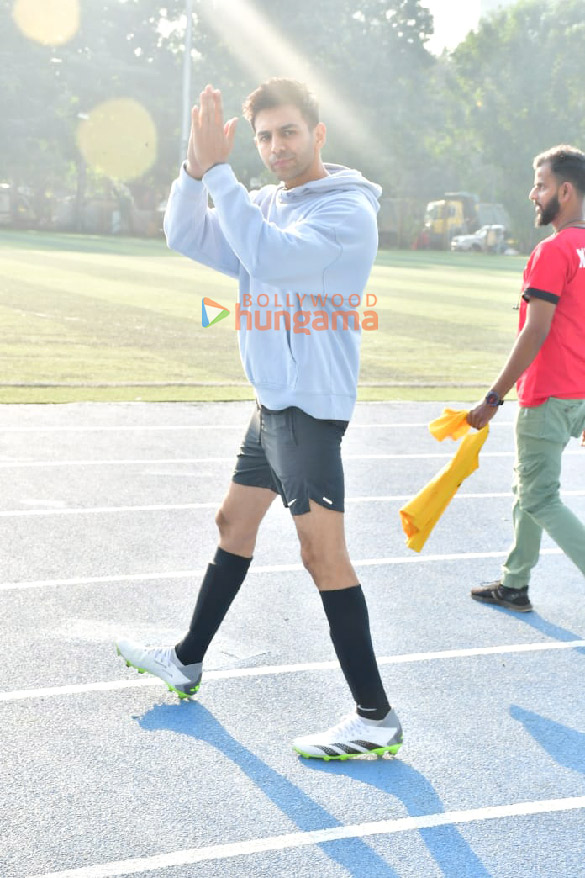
(493, 398)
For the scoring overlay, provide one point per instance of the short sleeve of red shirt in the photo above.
(556, 273)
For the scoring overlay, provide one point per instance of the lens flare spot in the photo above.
(50, 22)
(118, 139)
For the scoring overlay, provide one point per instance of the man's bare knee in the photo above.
(329, 569)
(309, 558)
(235, 534)
(222, 521)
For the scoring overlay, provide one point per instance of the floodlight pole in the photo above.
(186, 102)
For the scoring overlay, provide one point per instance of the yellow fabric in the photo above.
(452, 424)
(420, 515)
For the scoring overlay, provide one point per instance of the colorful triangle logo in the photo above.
(206, 322)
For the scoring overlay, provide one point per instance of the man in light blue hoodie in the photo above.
(302, 252)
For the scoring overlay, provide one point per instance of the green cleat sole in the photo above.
(379, 751)
(182, 695)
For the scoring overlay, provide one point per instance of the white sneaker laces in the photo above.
(161, 654)
(349, 726)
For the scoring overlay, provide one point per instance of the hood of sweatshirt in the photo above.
(338, 179)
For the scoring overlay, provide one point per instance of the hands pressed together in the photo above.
(211, 140)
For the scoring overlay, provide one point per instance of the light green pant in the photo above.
(542, 434)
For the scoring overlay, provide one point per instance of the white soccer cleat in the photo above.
(353, 736)
(162, 661)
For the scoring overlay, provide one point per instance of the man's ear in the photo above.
(566, 191)
(320, 135)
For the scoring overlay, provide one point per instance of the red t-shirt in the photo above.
(556, 273)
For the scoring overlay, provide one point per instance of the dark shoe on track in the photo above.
(510, 598)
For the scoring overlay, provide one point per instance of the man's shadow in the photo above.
(451, 852)
(393, 777)
(536, 621)
(563, 744)
(195, 721)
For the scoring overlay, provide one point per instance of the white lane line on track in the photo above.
(166, 461)
(190, 856)
(276, 670)
(169, 461)
(99, 510)
(217, 427)
(173, 507)
(267, 568)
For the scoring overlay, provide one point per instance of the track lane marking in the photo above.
(276, 670)
(190, 856)
(174, 507)
(266, 568)
(170, 427)
(19, 463)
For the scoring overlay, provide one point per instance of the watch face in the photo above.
(492, 398)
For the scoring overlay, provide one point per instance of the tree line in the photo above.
(420, 125)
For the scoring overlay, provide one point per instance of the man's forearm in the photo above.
(193, 230)
(527, 346)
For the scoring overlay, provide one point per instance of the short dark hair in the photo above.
(277, 92)
(567, 163)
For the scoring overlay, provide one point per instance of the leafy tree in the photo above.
(517, 83)
(367, 62)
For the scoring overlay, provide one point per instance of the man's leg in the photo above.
(542, 434)
(525, 550)
(511, 590)
(374, 727)
(324, 554)
(181, 667)
(238, 520)
(305, 456)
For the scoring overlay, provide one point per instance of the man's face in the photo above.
(287, 146)
(544, 194)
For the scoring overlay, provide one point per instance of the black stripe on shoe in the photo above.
(350, 751)
(367, 745)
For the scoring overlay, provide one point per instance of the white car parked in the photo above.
(488, 239)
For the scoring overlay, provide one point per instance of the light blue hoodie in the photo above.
(316, 240)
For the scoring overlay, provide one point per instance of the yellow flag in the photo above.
(420, 515)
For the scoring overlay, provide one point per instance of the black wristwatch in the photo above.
(493, 398)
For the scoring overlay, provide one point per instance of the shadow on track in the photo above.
(536, 621)
(400, 781)
(194, 720)
(566, 746)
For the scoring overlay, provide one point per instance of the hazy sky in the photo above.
(453, 20)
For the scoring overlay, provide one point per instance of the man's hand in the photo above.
(583, 439)
(481, 415)
(211, 141)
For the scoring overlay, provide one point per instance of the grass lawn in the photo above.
(77, 312)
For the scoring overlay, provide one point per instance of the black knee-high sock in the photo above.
(220, 585)
(349, 627)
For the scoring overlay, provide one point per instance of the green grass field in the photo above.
(77, 312)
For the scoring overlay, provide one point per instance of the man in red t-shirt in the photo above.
(547, 364)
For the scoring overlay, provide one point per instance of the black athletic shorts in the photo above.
(295, 455)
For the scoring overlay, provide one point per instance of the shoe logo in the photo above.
(205, 321)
